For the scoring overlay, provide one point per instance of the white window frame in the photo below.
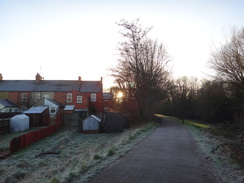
(69, 97)
(47, 96)
(93, 97)
(79, 99)
(37, 97)
(24, 97)
(52, 110)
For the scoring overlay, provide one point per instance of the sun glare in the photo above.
(120, 95)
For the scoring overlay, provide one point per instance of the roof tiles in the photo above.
(50, 86)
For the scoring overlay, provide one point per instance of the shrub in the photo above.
(19, 175)
(96, 157)
(55, 180)
(111, 152)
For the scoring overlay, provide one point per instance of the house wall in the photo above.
(60, 97)
(14, 97)
(86, 101)
(39, 103)
(51, 105)
(41, 95)
(3, 95)
(99, 103)
(108, 105)
(28, 101)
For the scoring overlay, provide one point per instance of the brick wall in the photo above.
(60, 97)
(14, 97)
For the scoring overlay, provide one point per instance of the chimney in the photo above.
(101, 83)
(38, 78)
(79, 78)
(1, 77)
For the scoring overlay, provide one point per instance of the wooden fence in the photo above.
(32, 137)
(4, 125)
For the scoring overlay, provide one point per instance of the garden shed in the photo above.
(19, 123)
(114, 122)
(91, 124)
(69, 109)
(39, 115)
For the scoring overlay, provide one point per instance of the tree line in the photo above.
(144, 76)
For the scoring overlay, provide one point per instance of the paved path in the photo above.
(168, 155)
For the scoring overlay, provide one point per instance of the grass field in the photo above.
(69, 156)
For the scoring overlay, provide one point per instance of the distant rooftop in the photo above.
(36, 110)
(107, 96)
(50, 85)
(40, 85)
(7, 103)
(69, 108)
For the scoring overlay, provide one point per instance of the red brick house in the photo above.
(82, 94)
(107, 101)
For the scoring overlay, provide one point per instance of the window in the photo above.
(69, 97)
(24, 97)
(47, 96)
(37, 97)
(53, 110)
(23, 108)
(93, 97)
(79, 99)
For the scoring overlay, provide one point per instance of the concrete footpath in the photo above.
(168, 155)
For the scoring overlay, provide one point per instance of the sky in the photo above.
(65, 39)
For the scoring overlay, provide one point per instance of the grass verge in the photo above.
(187, 122)
(217, 151)
(80, 158)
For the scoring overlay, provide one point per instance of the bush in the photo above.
(55, 180)
(19, 175)
(96, 157)
(111, 152)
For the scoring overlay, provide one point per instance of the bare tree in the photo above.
(143, 68)
(184, 96)
(228, 61)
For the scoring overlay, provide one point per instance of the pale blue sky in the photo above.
(71, 38)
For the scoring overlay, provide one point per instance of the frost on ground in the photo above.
(223, 167)
(69, 156)
(5, 139)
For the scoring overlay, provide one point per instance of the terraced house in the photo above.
(83, 95)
